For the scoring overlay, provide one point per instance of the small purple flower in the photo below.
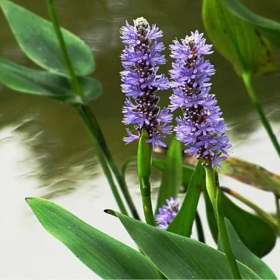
(140, 59)
(201, 127)
(167, 213)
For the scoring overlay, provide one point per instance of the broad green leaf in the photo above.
(237, 40)
(244, 255)
(255, 233)
(269, 27)
(172, 174)
(186, 172)
(104, 255)
(182, 223)
(179, 257)
(245, 172)
(44, 83)
(38, 41)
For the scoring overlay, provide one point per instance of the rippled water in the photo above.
(44, 150)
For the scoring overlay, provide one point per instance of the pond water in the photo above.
(45, 151)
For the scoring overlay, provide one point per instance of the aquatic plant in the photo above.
(141, 59)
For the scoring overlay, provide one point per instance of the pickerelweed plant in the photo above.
(165, 247)
(141, 59)
(201, 127)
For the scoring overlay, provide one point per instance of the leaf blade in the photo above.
(104, 255)
(180, 257)
(183, 221)
(172, 174)
(44, 83)
(243, 254)
(237, 40)
(40, 44)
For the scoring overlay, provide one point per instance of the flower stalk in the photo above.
(214, 193)
(144, 157)
(201, 126)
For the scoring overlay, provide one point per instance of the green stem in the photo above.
(102, 142)
(93, 128)
(101, 158)
(253, 96)
(215, 198)
(144, 156)
(277, 205)
(199, 228)
(73, 78)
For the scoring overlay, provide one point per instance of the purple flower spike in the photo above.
(140, 59)
(201, 127)
(167, 213)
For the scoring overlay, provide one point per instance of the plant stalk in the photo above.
(144, 156)
(246, 76)
(102, 142)
(102, 159)
(73, 80)
(214, 193)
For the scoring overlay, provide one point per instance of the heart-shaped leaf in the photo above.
(38, 41)
(104, 255)
(44, 83)
(237, 40)
(179, 257)
(269, 27)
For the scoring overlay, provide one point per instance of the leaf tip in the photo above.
(110, 212)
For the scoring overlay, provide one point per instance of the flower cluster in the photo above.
(201, 127)
(140, 59)
(167, 213)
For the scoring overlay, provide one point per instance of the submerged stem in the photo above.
(214, 193)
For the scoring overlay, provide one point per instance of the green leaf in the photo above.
(182, 223)
(237, 40)
(269, 27)
(172, 174)
(179, 257)
(38, 41)
(254, 232)
(244, 255)
(104, 255)
(186, 172)
(44, 83)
